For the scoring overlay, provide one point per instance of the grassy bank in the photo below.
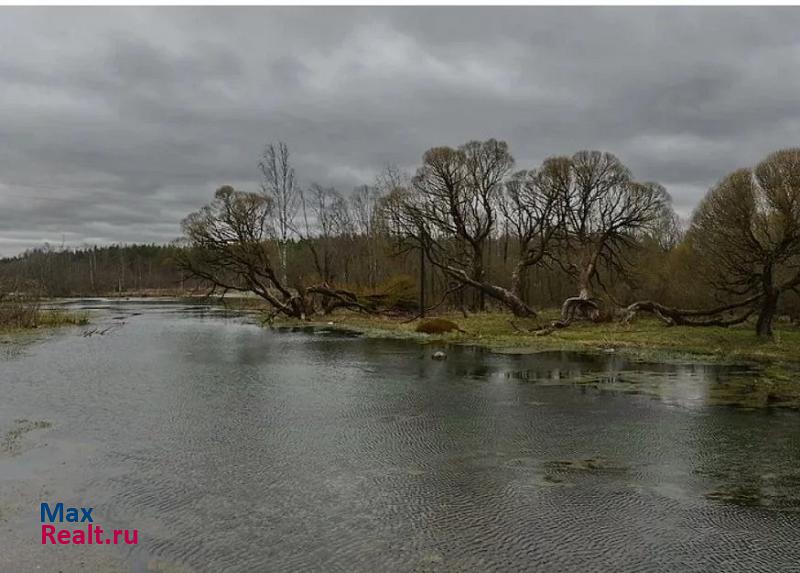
(644, 337)
(20, 320)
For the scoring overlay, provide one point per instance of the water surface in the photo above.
(235, 448)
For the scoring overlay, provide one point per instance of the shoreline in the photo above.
(643, 340)
(775, 365)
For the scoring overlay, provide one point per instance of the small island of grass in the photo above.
(21, 315)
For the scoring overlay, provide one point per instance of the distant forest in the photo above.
(467, 231)
(365, 265)
(92, 271)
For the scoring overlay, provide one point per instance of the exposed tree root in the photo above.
(578, 307)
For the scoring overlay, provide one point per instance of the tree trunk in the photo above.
(769, 304)
(692, 317)
(505, 296)
(478, 276)
(585, 282)
(578, 306)
(283, 256)
(509, 299)
(581, 305)
(518, 280)
(769, 307)
(422, 283)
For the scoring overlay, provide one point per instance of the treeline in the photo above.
(579, 231)
(469, 230)
(117, 269)
(378, 264)
(363, 265)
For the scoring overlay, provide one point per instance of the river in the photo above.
(231, 447)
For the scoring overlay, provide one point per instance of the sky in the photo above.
(115, 123)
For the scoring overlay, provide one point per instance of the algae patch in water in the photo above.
(746, 386)
(588, 465)
(12, 441)
(778, 490)
(565, 472)
(756, 392)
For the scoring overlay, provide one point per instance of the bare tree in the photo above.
(402, 224)
(229, 248)
(330, 218)
(530, 208)
(455, 205)
(748, 229)
(365, 206)
(451, 212)
(603, 212)
(278, 183)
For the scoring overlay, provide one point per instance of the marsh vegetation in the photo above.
(20, 312)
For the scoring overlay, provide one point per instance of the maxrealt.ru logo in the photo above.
(90, 534)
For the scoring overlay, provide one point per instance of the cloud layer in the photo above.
(116, 122)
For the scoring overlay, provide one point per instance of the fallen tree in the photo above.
(691, 317)
(229, 249)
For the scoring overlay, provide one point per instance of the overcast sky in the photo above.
(115, 123)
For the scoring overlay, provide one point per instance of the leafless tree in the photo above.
(229, 248)
(455, 205)
(326, 215)
(530, 208)
(364, 207)
(278, 183)
(451, 212)
(602, 212)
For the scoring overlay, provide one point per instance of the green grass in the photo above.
(52, 317)
(645, 337)
(44, 318)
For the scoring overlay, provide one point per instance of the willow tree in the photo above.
(451, 211)
(456, 195)
(748, 229)
(530, 208)
(231, 247)
(603, 213)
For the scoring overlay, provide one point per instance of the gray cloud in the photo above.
(116, 122)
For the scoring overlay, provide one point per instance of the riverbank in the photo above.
(644, 337)
(33, 319)
(773, 381)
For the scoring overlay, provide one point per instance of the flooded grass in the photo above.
(588, 465)
(779, 490)
(495, 330)
(54, 317)
(20, 322)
